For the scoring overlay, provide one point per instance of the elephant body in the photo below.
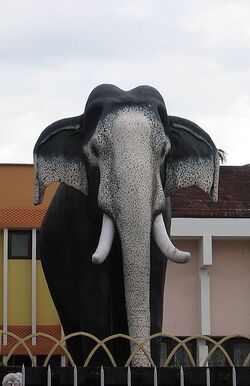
(90, 297)
(104, 241)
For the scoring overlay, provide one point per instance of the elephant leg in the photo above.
(80, 289)
(95, 309)
(83, 304)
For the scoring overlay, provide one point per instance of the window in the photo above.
(237, 348)
(218, 358)
(19, 244)
(180, 358)
(241, 351)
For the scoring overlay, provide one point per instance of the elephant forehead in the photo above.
(131, 133)
(131, 127)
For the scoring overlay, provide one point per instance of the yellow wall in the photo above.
(19, 292)
(19, 298)
(46, 312)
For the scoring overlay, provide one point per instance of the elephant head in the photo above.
(141, 155)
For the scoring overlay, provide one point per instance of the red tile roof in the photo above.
(234, 197)
(22, 217)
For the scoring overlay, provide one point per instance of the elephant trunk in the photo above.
(135, 241)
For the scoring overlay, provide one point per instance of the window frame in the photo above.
(12, 232)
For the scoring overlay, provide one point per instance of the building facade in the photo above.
(207, 296)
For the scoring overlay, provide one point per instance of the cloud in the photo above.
(54, 53)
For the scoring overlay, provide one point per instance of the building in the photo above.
(207, 296)
(25, 303)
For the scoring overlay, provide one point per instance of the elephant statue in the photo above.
(104, 242)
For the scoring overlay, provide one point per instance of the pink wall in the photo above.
(181, 302)
(230, 287)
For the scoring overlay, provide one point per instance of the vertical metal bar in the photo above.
(129, 377)
(208, 376)
(33, 286)
(102, 377)
(234, 381)
(75, 376)
(182, 377)
(155, 377)
(23, 375)
(63, 358)
(5, 285)
(49, 376)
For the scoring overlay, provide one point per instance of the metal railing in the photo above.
(100, 378)
(26, 344)
(102, 344)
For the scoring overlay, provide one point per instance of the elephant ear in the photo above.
(194, 159)
(58, 157)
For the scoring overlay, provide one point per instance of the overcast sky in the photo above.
(53, 53)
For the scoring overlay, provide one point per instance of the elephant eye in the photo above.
(163, 152)
(95, 150)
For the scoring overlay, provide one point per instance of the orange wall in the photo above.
(18, 182)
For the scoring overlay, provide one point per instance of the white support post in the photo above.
(206, 254)
(5, 285)
(202, 352)
(206, 260)
(33, 287)
(205, 302)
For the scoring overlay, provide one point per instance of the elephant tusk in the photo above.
(164, 243)
(105, 241)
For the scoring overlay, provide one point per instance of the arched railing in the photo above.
(23, 342)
